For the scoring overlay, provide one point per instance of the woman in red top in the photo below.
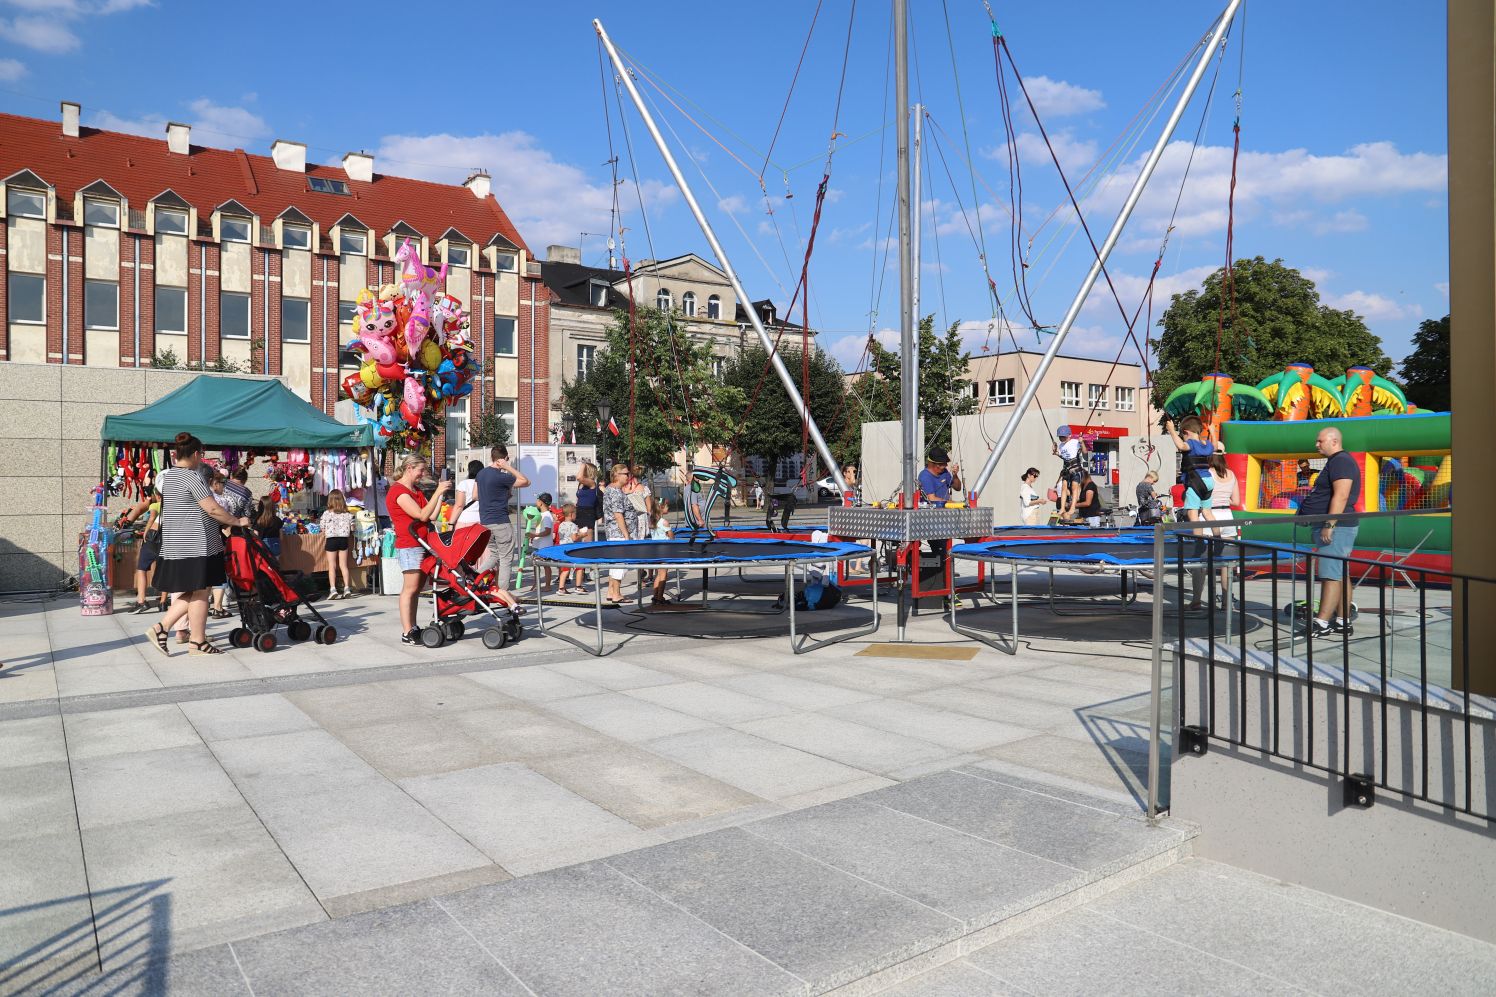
(405, 508)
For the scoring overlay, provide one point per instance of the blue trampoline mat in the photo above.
(1123, 550)
(687, 553)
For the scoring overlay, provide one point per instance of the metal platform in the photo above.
(908, 525)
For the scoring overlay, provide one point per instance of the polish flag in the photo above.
(613, 426)
(599, 426)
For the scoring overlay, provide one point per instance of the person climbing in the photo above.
(1071, 452)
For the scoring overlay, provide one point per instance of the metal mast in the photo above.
(908, 344)
(1149, 165)
(785, 377)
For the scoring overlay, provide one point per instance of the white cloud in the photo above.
(1371, 306)
(217, 121)
(44, 34)
(549, 201)
(1317, 274)
(834, 194)
(1349, 220)
(11, 70)
(149, 125)
(733, 204)
(1442, 287)
(1073, 153)
(1056, 98)
(1131, 288)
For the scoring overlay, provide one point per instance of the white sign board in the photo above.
(538, 462)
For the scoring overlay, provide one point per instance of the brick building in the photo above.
(117, 249)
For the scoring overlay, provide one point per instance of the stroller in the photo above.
(267, 598)
(457, 590)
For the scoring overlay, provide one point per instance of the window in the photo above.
(586, 357)
(457, 428)
(233, 229)
(505, 409)
(503, 336)
(504, 262)
(347, 312)
(719, 368)
(768, 314)
(714, 307)
(27, 294)
(662, 299)
(296, 237)
(1070, 394)
(233, 315)
(25, 203)
(296, 320)
(353, 243)
(1000, 391)
(1096, 396)
(458, 256)
(171, 308)
(171, 222)
(100, 304)
(597, 294)
(104, 214)
(688, 304)
(323, 185)
(1125, 399)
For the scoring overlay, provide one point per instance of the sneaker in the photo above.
(334, 594)
(1316, 627)
(411, 636)
(1340, 625)
(348, 593)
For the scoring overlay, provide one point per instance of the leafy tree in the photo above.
(488, 431)
(772, 428)
(944, 391)
(1425, 371)
(1279, 320)
(678, 401)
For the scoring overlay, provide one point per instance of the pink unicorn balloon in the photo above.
(421, 285)
(374, 322)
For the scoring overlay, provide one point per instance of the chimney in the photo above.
(478, 183)
(70, 113)
(289, 155)
(563, 254)
(178, 138)
(359, 166)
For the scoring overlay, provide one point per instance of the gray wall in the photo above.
(1289, 822)
(52, 415)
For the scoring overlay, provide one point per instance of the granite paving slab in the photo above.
(535, 683)
(850, 743)
(46, 922)
(626, 717)
(956, 731)
(764, 768)
(819, 923)
(710, 702)
(112, 732)
(245, 716)
(140, 785)
(641, 787)
(954, 979)
(590, 931)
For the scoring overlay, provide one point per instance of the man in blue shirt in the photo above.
(495, 485)
(939, 477)
(1337, 488)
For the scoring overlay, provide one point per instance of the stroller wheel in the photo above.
(513, 628)
(240, 638)
(266, 641)
(325, 634)
(298, 630)
(433, 637)
(453, 630)
(495, 638)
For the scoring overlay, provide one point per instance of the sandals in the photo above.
(204, 647)
(158, 633)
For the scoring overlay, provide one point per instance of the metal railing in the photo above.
(1395, 683)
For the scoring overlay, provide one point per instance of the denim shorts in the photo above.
(1342, 542)
(410, 558)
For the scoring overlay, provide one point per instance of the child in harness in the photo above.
(1194, 465)
(1071, 452)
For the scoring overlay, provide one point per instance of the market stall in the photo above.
(295, 454)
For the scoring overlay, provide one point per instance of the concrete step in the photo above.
(1200, 927)
(852, 895)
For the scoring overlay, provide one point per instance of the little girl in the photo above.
(660, 530)
(567, 531)
(337, 526)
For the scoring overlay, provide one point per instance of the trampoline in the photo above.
(706, 554)
(1120, 552)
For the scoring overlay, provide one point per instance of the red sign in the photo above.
(1103, 432)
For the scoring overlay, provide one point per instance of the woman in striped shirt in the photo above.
(191, 559)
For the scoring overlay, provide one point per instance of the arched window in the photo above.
(714, 307)
(662, 299)
(688, 304)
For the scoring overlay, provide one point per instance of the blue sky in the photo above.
(1343, 134)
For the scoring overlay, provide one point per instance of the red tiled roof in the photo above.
(141, 168)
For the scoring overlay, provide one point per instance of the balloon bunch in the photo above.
(417, 355)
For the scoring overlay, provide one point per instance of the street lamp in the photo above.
(567, 423)
(604, 411)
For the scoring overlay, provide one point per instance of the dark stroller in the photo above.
(457, 590)
(267, 598)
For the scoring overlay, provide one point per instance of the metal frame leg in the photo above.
(995, 641)
(805, 644)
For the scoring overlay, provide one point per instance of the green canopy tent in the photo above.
(236, 412)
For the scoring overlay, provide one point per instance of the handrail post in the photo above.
(1155, 701)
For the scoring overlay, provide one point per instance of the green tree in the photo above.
(488, 431)
(679, 401)
(772, 428)
(1425, 371)
(944, 391)
(1279, 320)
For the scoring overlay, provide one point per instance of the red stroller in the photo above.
(457, 590)
(266, 597)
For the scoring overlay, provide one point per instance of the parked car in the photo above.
(826, 489)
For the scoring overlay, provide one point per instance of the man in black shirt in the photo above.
(1336, 491)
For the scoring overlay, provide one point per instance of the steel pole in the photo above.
(785, 377)
(908, 346)
(914, 265)
(1149, 164)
